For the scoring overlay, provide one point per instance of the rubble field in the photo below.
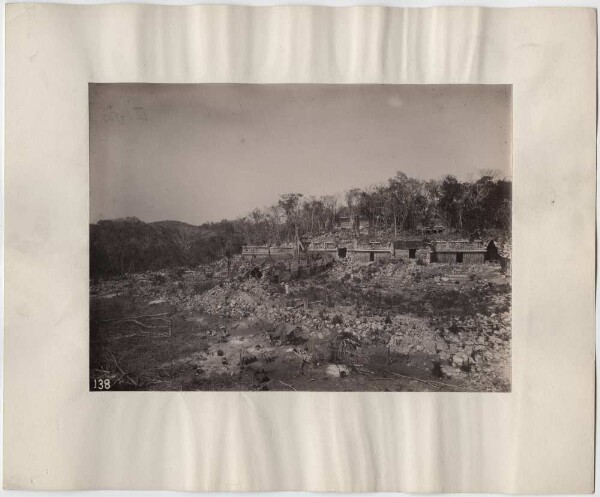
(390, 325)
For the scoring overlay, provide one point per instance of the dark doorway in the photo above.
(371, 256)
(412, 253)
(341, 252)
(459, 257)
(491, 253)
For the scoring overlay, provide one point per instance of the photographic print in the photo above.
(300, 237)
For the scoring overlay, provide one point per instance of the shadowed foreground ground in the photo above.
(386, 326)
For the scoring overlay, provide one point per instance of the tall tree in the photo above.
(290, 202)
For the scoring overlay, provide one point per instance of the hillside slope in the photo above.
(129, 245)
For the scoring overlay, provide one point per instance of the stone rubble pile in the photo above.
(231, 299)
(471, 344)
(474, 344)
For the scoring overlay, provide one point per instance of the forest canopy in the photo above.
(401, 205)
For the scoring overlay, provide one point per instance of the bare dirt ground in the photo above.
(385, 326)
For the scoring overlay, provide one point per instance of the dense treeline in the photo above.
(401, 204)
(129, 245)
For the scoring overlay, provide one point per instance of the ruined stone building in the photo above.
(458, 251)
(361, 223)
(332, 248)
(269, 250)
(438, 229)
(255, 250)
(285, 249)
(437, 226)
(369, 252)
(408, 248)
(441, 251)
(364, 223)
(346, 223)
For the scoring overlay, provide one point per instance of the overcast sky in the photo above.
(198, 153)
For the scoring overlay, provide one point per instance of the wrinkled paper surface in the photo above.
(538, 438)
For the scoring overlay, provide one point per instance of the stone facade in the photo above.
(255, 251)
(408, 248)
(424, 255)
(458, 252)
(362, 255)
(283, 249)
(356, 222)
(364, 223)
(330, 248)
(346, 223)
(268, 250)
(369, 252)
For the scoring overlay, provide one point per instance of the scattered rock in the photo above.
(441, 346)
(337, 370)
(448, 371)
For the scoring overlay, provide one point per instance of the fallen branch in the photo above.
(363, 371)
(131, 336)
(139, 323)
(431, 383)
(349, 340)
(120, 369)
(409, 378)
(136, 317)
(260, 386)
(287, 385)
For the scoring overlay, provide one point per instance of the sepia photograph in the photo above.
(300, 237)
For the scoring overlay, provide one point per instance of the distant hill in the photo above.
(184, 235)
(129, 245)
(175, 225)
